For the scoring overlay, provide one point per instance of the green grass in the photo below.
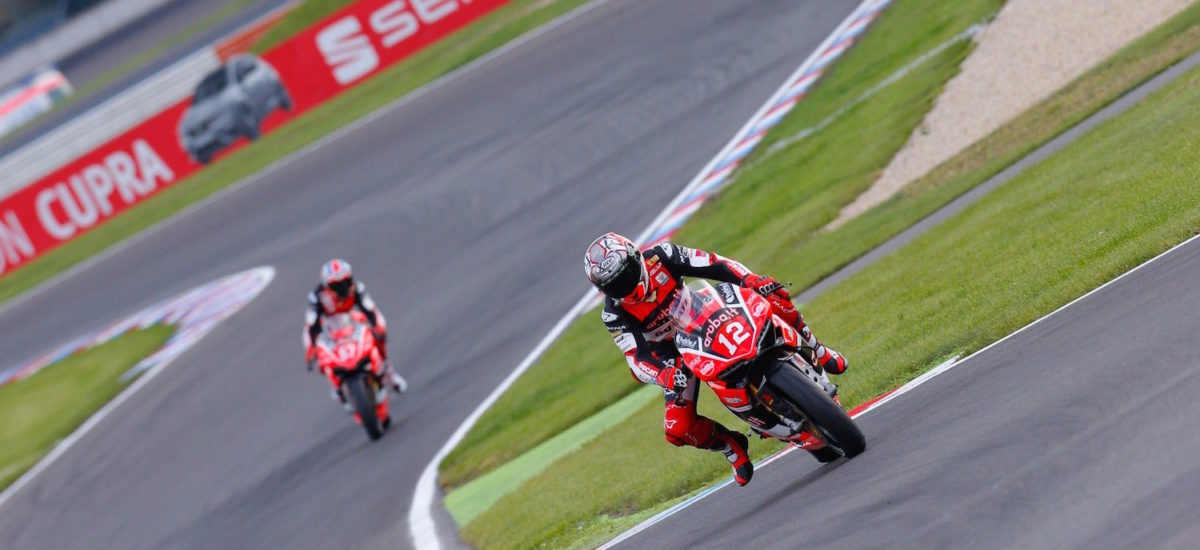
(300, 18)
(37, 412)
(546, 400)
(467, 44)
(472, 499)
(798, 190)
(806, 256)
(1117, 197)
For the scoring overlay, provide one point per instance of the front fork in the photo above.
(777, 418)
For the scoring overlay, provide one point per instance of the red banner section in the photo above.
(246, 97)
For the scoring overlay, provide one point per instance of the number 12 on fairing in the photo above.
(735, 330)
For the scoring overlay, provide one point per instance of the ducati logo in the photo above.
(706, 368)
(760, 308)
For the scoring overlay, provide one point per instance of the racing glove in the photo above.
(310, 358)
(774, 292)
(381, 341)
(766, 286)
(674, 379)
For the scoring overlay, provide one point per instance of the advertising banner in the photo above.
(244, 98)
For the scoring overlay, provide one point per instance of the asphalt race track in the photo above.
(465, 211)
(1078, 432)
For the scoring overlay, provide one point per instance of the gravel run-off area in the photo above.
(1030, 50)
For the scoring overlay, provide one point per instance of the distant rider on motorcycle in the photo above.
(639, 289)
(338, 293)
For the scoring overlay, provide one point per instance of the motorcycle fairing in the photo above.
(718, 327)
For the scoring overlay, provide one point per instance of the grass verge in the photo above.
(469, 43)
(1117, 197)
(808, 256)
(481, 493)
(37, 412)
(843, 157)
(300, 18)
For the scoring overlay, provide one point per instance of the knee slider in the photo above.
(677, 433)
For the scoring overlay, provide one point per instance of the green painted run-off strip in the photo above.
(474, 498)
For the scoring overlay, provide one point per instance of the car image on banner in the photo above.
(229, 103)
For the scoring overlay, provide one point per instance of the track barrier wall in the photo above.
(312, 67)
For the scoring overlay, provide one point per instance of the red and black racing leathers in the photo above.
(322, 301)
(643, 332)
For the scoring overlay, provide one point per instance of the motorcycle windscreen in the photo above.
(692, 307)
(711, 329)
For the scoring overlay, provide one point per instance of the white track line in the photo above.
(420, 514)
(913, 384)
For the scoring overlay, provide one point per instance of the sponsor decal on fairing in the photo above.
(728, 294)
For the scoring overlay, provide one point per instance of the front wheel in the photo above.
(837, 429)
(360, 396)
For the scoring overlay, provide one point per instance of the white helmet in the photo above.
(336, 276)
(615, 266)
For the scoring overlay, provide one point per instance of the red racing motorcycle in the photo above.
(349, 358)
(730, 339)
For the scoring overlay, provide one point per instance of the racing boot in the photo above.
(735, 447)
(830, 361)
(337, 396)
(399, 384)
(817, 353)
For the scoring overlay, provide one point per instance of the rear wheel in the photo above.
(356, 385)
(825, 454)
(837, 430)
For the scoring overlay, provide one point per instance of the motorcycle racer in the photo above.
(339, 293)
(639, 288)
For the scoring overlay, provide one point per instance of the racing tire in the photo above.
(251, 131)
(837, 429)
(356, 385)
(825, 454)
(250, 125)
(284, 100)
